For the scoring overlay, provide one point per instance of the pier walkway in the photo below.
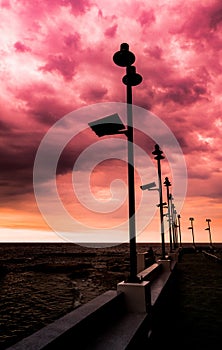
(191, 314)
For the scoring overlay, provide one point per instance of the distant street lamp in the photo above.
(178, 217)
(208, 229)
(172, 220)
(112, 125)
(158, 156)
(168, 184)
(175, 226)
(192, 231)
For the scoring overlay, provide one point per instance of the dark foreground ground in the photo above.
(41, 282)
(190, 316)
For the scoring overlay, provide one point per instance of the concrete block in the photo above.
(166, 264)
(137, 295)
(141, 258)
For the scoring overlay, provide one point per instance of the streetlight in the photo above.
(171, 218)
(173, 221)
(178, 216)
(125, 58)
(168, 184)
(112, 125)
(208, 229)
(175, 226)
(192, 231)
(149, 187)
(158, 153)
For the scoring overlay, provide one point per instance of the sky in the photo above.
(57, 178)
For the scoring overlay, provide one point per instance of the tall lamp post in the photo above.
(175, 226)
(112, 125)
(158, 153)
(192, 231)
(168, 184)
(171, 218)
(178, 216)
(125, 58)
(208, 229)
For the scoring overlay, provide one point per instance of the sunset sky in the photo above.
(57, 74)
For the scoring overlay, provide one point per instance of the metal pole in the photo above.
(178, 216)
(210, 234)
(208, 221)
(169, 218)
(175, 228)
(158, 157)
(161, 210)
(168, 184)
(192, 231)
(125, 58)
(131, 188)
(172, 220)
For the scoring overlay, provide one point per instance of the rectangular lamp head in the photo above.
(148, 186)
(110, 125)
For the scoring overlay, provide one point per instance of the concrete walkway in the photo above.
(191, 315)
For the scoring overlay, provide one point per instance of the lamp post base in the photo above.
(137, 295)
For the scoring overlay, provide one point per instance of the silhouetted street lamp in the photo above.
(178, 216)
(175, 226)
(111, 125)
(173, 221)
(192, 230)
(149, 187)
(158, 153)
(168, 184)
(208, 229)
(125, 58)
(171, 218)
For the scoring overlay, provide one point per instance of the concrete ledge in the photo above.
(128, 333)
(165, 263)
(150, 273)
(160, 283)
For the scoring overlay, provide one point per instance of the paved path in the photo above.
(192, 315)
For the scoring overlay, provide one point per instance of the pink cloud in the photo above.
(111, 31)
(94, 94)
(184, 92)
(5, 4)
(20, 47)
(155, 52)
(72, 40)
(146, 18)
(60, 64)
(216, 16)
(78, 7)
